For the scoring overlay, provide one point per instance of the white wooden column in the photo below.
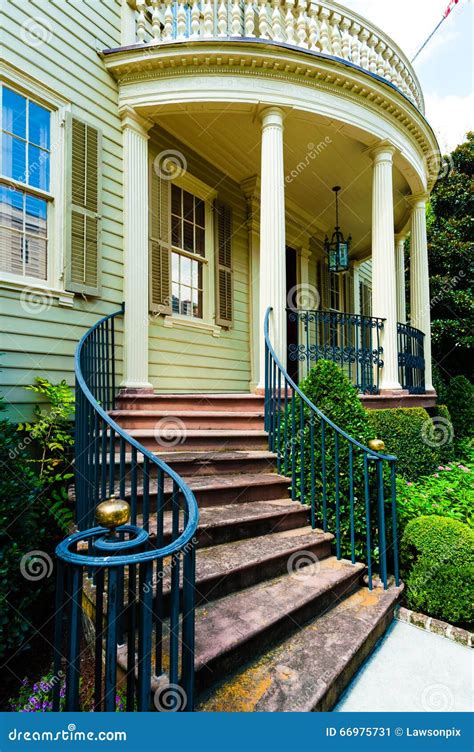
(400, 274)
(419, 279)
(384, 290)
(135, 267)
(272, 236)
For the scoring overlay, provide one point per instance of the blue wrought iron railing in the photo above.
(345, 483)
(350, 340)
(411, 358)
(133, 586)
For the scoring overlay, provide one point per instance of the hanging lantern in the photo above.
(338, 249)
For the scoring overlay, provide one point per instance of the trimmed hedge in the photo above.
(437, 555)
(408, 433)
(460, 403)
(446, 448)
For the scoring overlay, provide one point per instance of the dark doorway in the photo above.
(291, 302)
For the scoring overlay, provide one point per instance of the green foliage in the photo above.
(408, 433)
(51, 433)
(450, 235)
(448, 492)
(443, 423)
(460, 402)
(437, 555)
(22, 528)
(330, 390)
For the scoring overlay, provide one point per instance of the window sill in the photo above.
(27, 286)
(182, 322)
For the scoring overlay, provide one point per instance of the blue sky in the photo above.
(445, 68)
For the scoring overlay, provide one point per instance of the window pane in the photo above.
(198, 305)
(188, 206)
(200, 212)
(39, 125)
(13, 112)
(186, 302)
(10, 251)
(175, 267)
(35, 257)
(13, 157)
(188, 240)
(175, 298)
(176, 232)
(35, 215)
(176, 200)
(200, 241)
(38, 168)
(185, 271)
(11, 208)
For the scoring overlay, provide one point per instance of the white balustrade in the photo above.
(317, 26)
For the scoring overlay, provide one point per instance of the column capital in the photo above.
(381, 152)
(250, 187)
(418, 200)
(131, 119)
(400, 237)
(272, 117)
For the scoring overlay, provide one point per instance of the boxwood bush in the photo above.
(409, 433)
(460, 402)
(437, 555)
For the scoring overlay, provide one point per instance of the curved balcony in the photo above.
(325, 28)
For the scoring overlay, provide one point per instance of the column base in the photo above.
(133, 391)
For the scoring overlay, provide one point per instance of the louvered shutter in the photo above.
(224, 274)
(83, 207)
(160, 246)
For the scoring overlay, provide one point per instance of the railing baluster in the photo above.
(313, 478)
(393, 491)
(381, 522)
(98, 639)
(293, 446)
(323, 474)
(286, 428)
(351, 500)
(144, 636)
(134, 486)
(74, 647)
(337, 494)
(302, 453)
(131, 637)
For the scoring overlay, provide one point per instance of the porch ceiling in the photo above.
(318, 155)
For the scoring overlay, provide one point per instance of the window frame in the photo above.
(33, 90)
(192, 256)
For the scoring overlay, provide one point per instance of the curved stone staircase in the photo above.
(281, 624)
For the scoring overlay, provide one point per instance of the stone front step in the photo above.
(162, 421)
(217, 440)
(233, 629)
(230, 567)
(234, 522)
(310, 669)
(220, 490)
(195, 402)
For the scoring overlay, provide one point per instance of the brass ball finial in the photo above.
(112, 513)
(377, 445)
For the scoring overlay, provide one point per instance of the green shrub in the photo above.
(330, 390)
(460, 403)
(447, 492)
(437, 557)
(441, 418)
(408, 433)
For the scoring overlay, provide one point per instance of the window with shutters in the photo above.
(82, 262)
(25, 191)
(188, 242)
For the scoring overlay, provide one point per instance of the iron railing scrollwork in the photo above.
(346, 485)
(350, 340)
(411, 358)
(134, 586)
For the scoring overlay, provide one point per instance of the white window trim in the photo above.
(206, 324)
(53, 285)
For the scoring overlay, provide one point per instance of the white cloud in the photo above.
(451, 118)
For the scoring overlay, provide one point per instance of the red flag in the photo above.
(450, 8)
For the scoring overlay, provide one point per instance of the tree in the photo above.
(450, 237)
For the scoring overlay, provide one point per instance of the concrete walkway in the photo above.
(413, 670)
